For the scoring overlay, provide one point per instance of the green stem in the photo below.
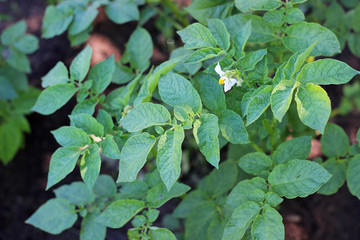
(177, 13)
(256, 147)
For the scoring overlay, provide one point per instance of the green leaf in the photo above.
(168, 159)
(80, 65)
(232, 127)
(241, 39)
(87, 123)
(150, 84)
(7, 90)
(71, 136)
(206, 131)
(27, 44)
(295, 148)
(62, 162)
(255, 163)
(353, 43)
(281, 97)
(161, 234)
(240, 220)
(105, 119)
(118, 213)
(182, 67)
(294, 15)
(338, 171)
(85, 106)
(240, 193)
(268, 226)
(198, 222)
(302, 35)
(202, 10)
(252, 58)
(145, 115)
(313, 106)
(334, 142)
(101, 74)
(13, 33)
(219, 32)
(221, 180)
(258, 102)
(122, 74)
(175, 90)
(83, 19)
(273, 199)
(191, 201)
(140, 49)
(133, 156)
(56, 21)
(54, 216)
(353, 177)
(274, 18)
(122, 11)
(197, 36)
(159, 195)
(90, 229)
(211, 92)
(247, 6)
(58, 74)
(298, 178)
(356, 19)
(90, 166)
(204, 54)
(326, 71)
(216, 229)
(18, 60)
(76, 193)
(11, 141)
(109, 148)
(104, 186)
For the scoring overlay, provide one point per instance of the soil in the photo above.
(22, 181)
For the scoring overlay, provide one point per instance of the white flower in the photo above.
(225, 79)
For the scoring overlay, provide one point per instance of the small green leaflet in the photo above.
(110, 148)
(53, 98)
(133, 156)
(219, 32)
(90, 166)
(247, 6)
(240, 220)
(295, 148)
(80, 65)
(161, 234)
(206, 131)
(255, 163)
(302, 35)
(313, 106)
(338, 171)
(145, 115)
(82, 20)
(232, 127)
(268, 226)
(101, 74)
(76, 193)
(54, 216)
(281, 97)
(13, 33)
(105, 186)
(297, 178)
(118, 213)
(189, 203)
(240, 193)
(168, 160)
(122, 12)
(11, 141)
(334, 142)
(71, 136)
(353, 177)
(158, 195)
(204, 54)
(140, 49)
(197, 36)
(241, 38)
(56, 21)
(62, 162)
(257, 103)
(90, 229)
(175, 90)
(87, 123)
(326, 71)
(58, 74)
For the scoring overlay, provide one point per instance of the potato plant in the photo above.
(248, 78)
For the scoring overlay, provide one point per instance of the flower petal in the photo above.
(229, 84)
(218, 70)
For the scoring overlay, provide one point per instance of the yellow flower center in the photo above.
(221, 81)
(310, 59)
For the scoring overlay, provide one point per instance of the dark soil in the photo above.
(22, 182)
